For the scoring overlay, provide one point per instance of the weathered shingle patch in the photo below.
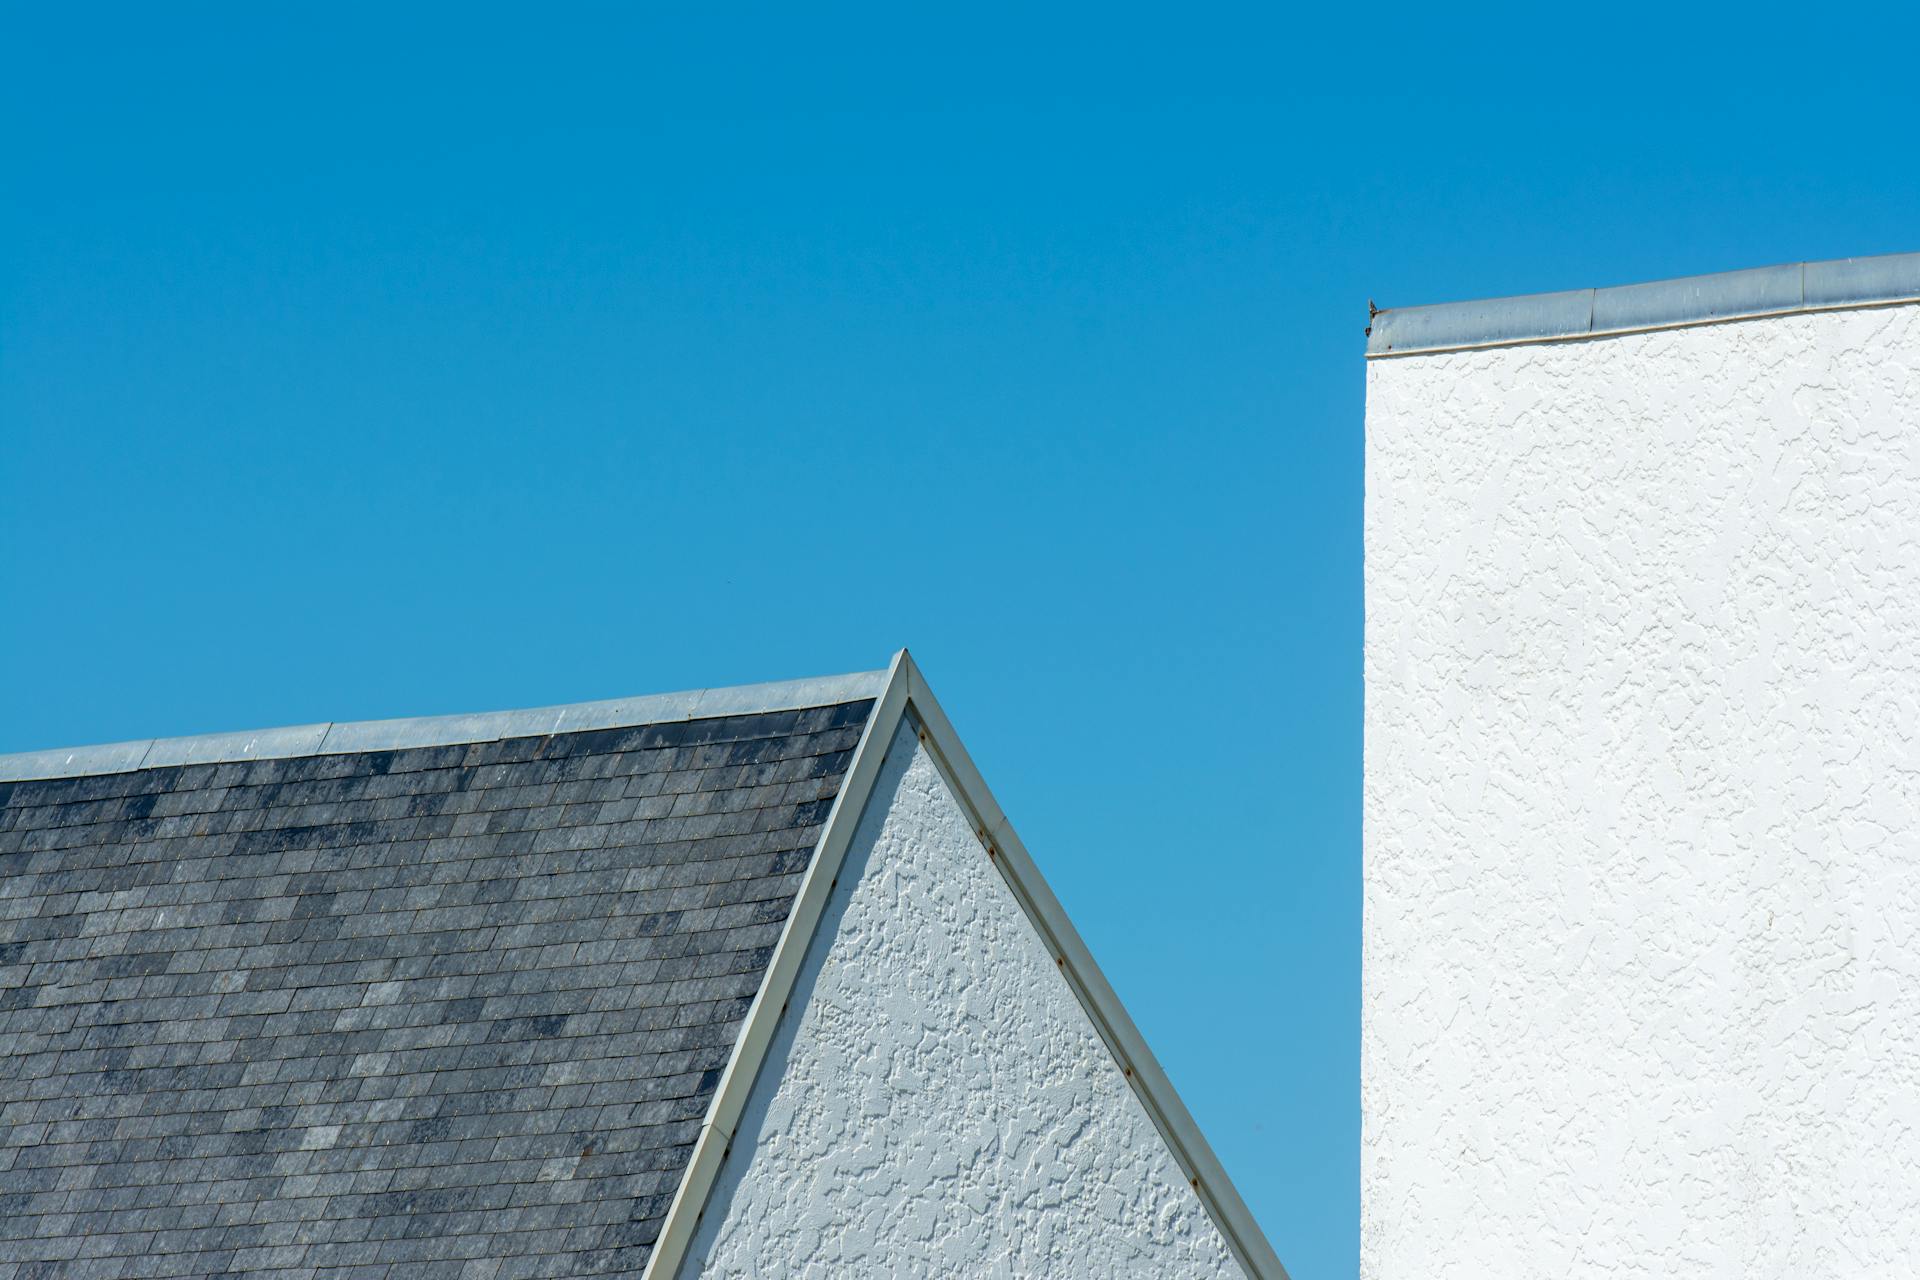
(443, 1011)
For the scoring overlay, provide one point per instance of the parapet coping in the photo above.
(1635, 308)
(345, 737)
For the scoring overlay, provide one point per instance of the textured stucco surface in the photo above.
(1642, 805)
(941, 1106)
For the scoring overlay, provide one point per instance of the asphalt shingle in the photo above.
(448, 1010)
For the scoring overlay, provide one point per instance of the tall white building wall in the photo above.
(1642, 805)
(936, 1103)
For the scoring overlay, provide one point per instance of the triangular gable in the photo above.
(1080, 1156)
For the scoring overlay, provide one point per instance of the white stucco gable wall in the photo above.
(937, 1102)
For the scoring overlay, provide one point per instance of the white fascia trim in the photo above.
(906, 695)
(770, 1003)
(1129, 1048)
(347, 737)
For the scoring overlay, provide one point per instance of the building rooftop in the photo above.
(480, 996)
(393, 997)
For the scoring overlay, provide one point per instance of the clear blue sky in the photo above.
(407, 359)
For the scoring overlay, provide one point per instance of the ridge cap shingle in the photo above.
(351, 737)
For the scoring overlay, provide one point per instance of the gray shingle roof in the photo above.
(448, 1010)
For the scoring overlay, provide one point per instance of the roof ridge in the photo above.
(347, 737)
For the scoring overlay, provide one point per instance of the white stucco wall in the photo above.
(1642, 805)
(941, 1106)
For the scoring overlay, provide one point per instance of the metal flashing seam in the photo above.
(433, 731)
(1842, 283)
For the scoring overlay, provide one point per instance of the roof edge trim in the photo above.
(1750, 294)
(347, 737)
(1150, 1084)
(906, 695)
(750, 1049)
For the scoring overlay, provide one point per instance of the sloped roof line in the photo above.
(905, 695)
(347, 737)
(1097, 996)
(427, 946)
(750, 1048)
